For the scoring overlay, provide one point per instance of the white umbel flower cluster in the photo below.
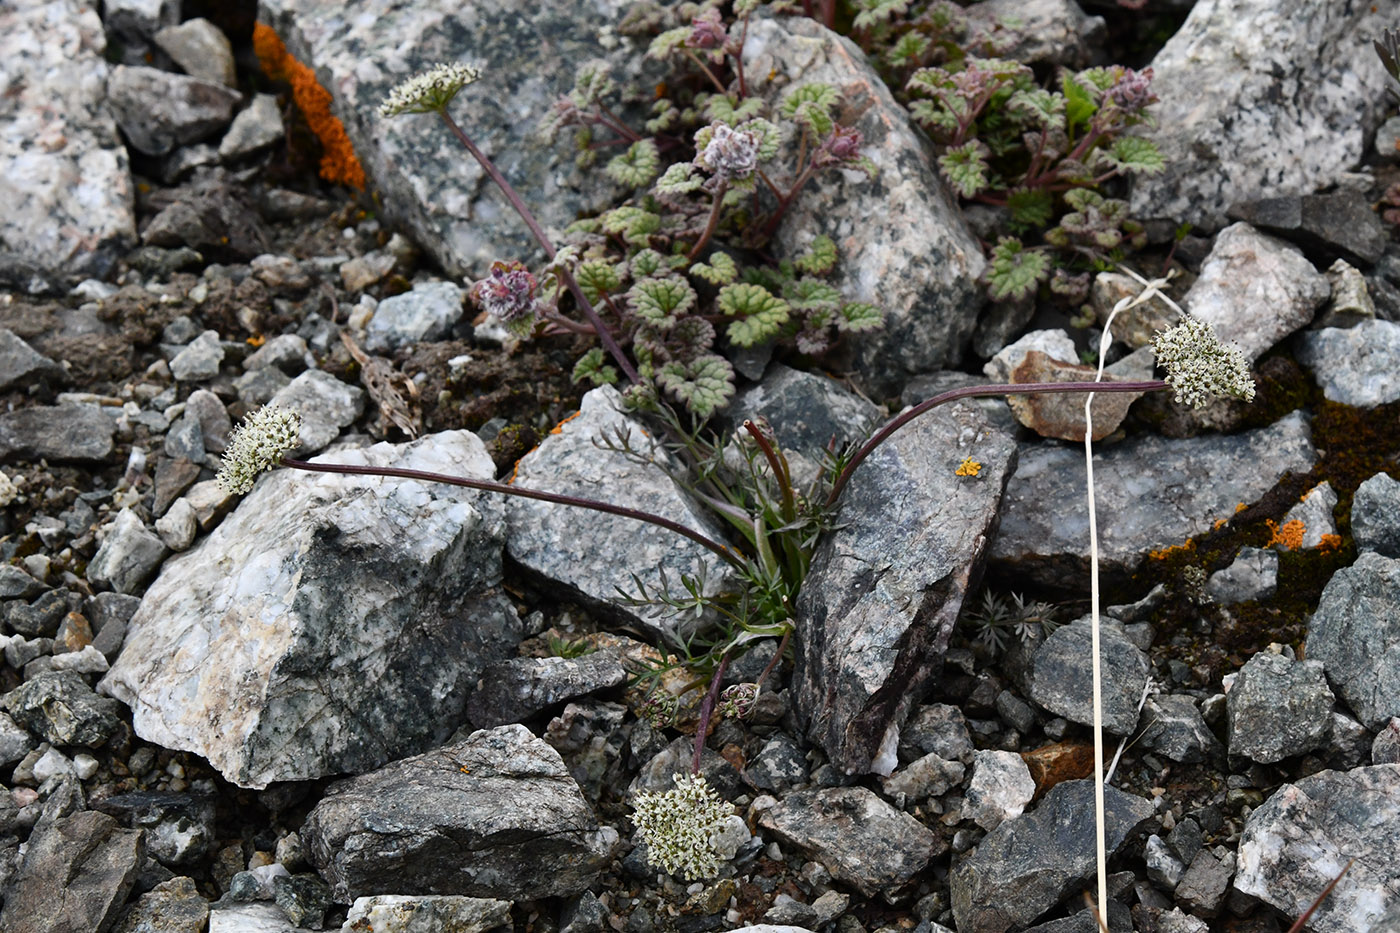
(257, 445)
(679, 827)
(431, 91)
(1201, 368)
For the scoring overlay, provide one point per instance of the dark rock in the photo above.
(75, 876)
(1354, 633)
(304, 899)
(20, 364)
(179, 827)
(172, 906)
(41, 617)
(159, 111)
(1202, 889)
(1341, 224)
(1062, 675)
(860, 838)
(210, 214)
(1385, 750)
(1027, 865)
(1278, 708)
(16, 584)
(1174, 728)
(1299, 840)
(78, 433)
(15, 743)
(515, 689)
(937, 729)
(1375, 516)
(893, 577)
(779, 766)
(63, 709)
(173, 477)
(495, 814)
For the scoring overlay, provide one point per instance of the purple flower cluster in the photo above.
(1132, 92)
(731, 153)
(508, 291)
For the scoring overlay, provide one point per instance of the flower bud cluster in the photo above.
(508, 291)
(257, 445)
(431, 91)
(679, 827)
(1132, 92)
(1201, 368)
(730, 154)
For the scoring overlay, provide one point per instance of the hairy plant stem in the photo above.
(710, 224)
(1028, 388)
(604, 335)
(707, 712)
(729, 556)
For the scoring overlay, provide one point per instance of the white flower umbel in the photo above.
(431, 91)
(257, 445)
(1201, 368)
(679, 827)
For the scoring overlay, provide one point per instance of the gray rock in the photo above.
(16, 584)
(178, 526)
(529, 54)
(199, 360)
(1175, 729)
(494, 815)
(1252, 575)
(999, 790)
(129, 554)
(1164, 869)
(1136, 326)
(256, 127)
(201, 49)
(363, 271)
(1055, 344)
(517, 688)
(75, 876)
(257, 884)
(179, 827)
(861, 839)
(428, 312)
(64, 174)
(929, 776)
(303, 899)
(925, 263)
(937, 729)
(1301, 837)
(1375, 515)
(185, 439)
(214, 422)
(1027, 865)
(398, 913)
(1278, 708)
(1051, 32)
(281, 273)
(1289, 112)
(1355, 633)
(789, 911)
(591, 553)
(1351, 301)
(326, 405)
(1385, 750)
(212, 214)
(1358, 366)
(41, 617)
(287, 352)
(806, 411)
(137, 21)
(1314, 510)
(232, 917)
(158, 110)
(1152, 487)
(76, 433)
(21, 364)
(1061, 676)
(778, 767)
(1255, 290)
(885, 588)
(258, 386)
(1341, 223)
(1202, 888)
(61, 708)
(15, 742)
(1348, 743)
(173, 906)
(329, 624)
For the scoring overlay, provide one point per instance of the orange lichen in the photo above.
(1288, 536)
(1219, 523)
(338, 162)
(1329, 542)
(1172, 551)
(968, 467)
(559, 428)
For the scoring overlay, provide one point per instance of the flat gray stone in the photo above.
(1255, 290)
(494, 815)
(1173, 727)
(1357, 366)
(1337, 223)
(861, 839)
(331, 623)
(129, 554)
(1252, 575)
(517, 688)
(885, 587)
(199, 360)
(1052, 32)
(1375, 515)
(71, 433)
(447, 913)
(1299, 839)
(159, 111)
(65, 179)
(1288, 108)
(1061, 678)
(201, 49)
(427, 312)
(326, 405)
(20, 363)
(1355, 633)
(919, 263)
(1278, 708)
(1150, 486)
(590, 553)
(75, 875)
(256, 127)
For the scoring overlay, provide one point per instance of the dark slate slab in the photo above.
(76, 874)
(1355, 633)
(78, 433)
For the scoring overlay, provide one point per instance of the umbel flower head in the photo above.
(1201, 368)
(679, 827)
(431, 91)
(257, 445)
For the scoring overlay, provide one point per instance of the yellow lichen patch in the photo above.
(1288, 536)
(1241, 507)
(338, 161)
(1219, 523)
(968, 467)
(1172, 551)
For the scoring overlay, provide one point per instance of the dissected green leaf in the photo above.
(637, 166)
(1016, 272)
(1031, 207)
(857, 317)
(1080, 105)
(680, 178)
(704, 385)
(593, 367)
(660, 301)
(908, 49)
(820, 257)
(810, 105)
(720, 270)
(966, 167)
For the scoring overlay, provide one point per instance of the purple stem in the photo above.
(707, 712)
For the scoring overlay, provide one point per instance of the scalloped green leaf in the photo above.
(597, 277)
(811, 105)
(680, 178)
(966, 167)
(1016, 272)
(660, 301)
(665, 116)
(637, 166)
(704, 385)
(691, 337)
(1135, 154)
(720, 270)
(633, 224)
(820, 256)
(668, 42)
(648, 262)
(857, 317)
(1043, 108)
(1031, 207)
(878, 12)
(761, 313)
(812, 295)
(726, 109)
(907, 50)
(593, 366)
